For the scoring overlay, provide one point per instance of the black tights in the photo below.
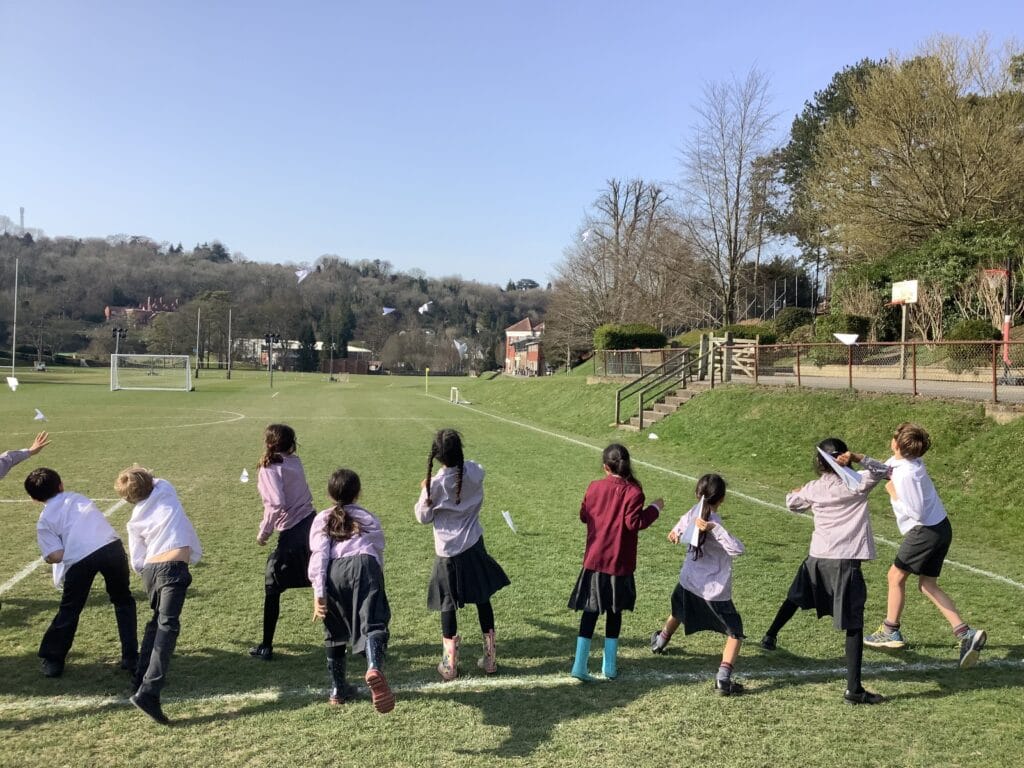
(450, 624)
(271, 612)
(854, 644)
(612, 627)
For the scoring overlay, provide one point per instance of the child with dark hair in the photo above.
(829, 580)
(702, 600)
(346, 571)
(921, 518)
(613, 511)
(463, 570)
(162, 544)
(287, 509)
(77, 540)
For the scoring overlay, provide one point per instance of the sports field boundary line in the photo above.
(71, 703)
(28, 569)
(753, 499)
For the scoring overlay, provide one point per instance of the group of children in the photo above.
(339, 553)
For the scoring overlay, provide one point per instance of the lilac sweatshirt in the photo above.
(710, 576)
(286, 496)
(9, 458)
(842, 526)
(456, 525)
(369, 541)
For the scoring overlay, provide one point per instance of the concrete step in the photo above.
(666, 407)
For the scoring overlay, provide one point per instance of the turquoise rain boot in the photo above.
(608, 665)
(579, 666)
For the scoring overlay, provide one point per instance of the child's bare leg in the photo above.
(671, 625)
(931, 589)
(732, 651)
(897, 595)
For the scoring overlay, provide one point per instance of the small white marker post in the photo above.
(453, 395)
(426, 381)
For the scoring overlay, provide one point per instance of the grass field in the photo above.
(539, 441)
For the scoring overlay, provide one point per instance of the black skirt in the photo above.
(471, 576)
(288, 563)
(697, 614)
(597, 592)
(356, 602)
(834, 588)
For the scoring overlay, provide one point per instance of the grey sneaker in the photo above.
(970, 647)
(658, 642)
(885, 638)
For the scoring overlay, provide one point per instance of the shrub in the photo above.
(836, 323)
(791, 318)
(766, 332)
(963, 357)
(802, 335)
(628, 336)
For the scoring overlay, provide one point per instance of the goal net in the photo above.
(156, 372)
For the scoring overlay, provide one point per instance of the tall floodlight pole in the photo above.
(271, 339)
(229, 342)
(14, 325)
(199, 311)
(118, 334)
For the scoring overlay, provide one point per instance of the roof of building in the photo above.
(522, 325)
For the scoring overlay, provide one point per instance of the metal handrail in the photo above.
(672, 373)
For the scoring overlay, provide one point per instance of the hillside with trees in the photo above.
(65, 287)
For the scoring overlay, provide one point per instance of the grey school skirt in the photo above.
(597, 592)
(288, 562)
(356, 602)
(833, 588)
(697, 614)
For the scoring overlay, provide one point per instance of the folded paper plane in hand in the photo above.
(851, 477)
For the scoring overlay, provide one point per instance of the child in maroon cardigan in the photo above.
(613, 511)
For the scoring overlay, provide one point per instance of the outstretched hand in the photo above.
(42, 440)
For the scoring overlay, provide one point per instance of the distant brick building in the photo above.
(523, 353)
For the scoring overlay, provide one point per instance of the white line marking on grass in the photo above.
(557, 680)
(753, 499)
(28, 569)
(235, 416)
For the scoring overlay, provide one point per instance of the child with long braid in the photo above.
(346, 570)
(613, 511)
(702, 599)
(463, 571)
(287, 509)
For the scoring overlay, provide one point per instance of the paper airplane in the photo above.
(461, 347)
(245, 476)
(508, 519)
(652, 436)
(302, 274)
(585, 235)
(847, 338)
(424, 308)
(275, 394)
(39, 416)
(12, 383)
(852, 478)
(388, 310)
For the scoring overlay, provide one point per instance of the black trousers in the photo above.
(111, 562)
(166, 584)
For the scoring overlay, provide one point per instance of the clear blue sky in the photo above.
(460, 138)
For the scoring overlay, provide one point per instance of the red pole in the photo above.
(995, 390)
(757, 347)
(913, 359)
(798, 366)
(849, 365)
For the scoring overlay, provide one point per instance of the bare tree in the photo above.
(723, 196)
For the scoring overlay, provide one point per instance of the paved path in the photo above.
(951, 390)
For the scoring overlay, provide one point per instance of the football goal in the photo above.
(157, 372)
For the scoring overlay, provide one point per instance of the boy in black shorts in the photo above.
(921, 518)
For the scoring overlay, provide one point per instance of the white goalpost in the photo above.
(171, 373)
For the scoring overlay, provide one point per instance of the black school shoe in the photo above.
(265, 652)
(769, 643)
(52, 668)
(864, 697)
(728, 687)
(151, 706)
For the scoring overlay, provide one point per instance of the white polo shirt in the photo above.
(158, 524)
(71, 522)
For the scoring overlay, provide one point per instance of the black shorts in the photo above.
(833, 588)
(924, 549)
(697, 614)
